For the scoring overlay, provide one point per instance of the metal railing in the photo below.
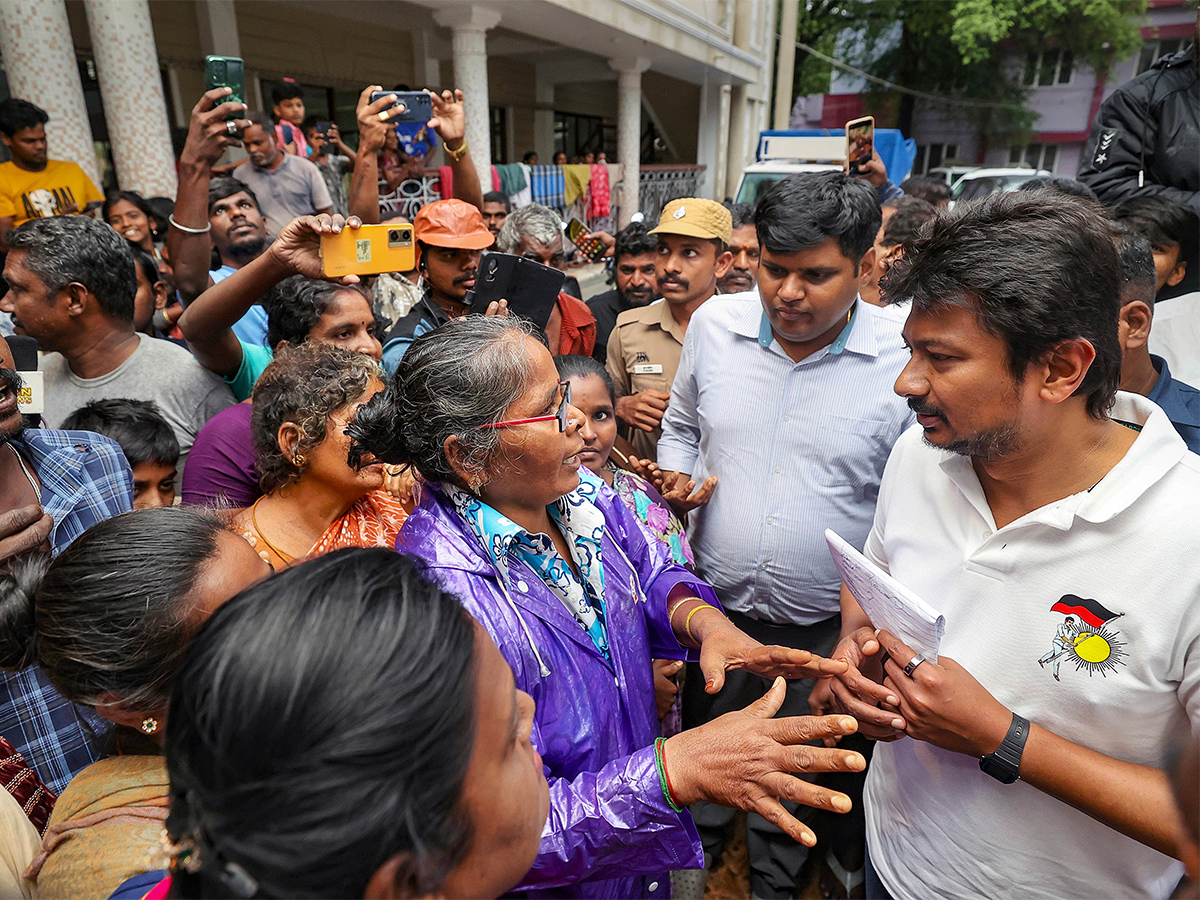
(657, 186)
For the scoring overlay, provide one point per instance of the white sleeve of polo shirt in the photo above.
(679, 446)
(1189, 685)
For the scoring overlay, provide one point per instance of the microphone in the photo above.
(32, 399)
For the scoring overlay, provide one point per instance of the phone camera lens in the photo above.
(394, 236)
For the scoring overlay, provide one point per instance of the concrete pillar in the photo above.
(543, 116)
(740, 111)
(134, 106)
(712, 138)
(217, 29)
(629, 131)
(468, 27)
(39, 59)
(788, 17)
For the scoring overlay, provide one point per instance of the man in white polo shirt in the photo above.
(1053, 528)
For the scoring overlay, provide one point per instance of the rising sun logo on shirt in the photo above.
(1085, 638)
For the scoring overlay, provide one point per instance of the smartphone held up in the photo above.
(368, 250)
(860, 143)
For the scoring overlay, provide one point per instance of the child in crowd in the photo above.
(145, 438)
(288, 111)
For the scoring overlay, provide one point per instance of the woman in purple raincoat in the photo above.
(551, 563)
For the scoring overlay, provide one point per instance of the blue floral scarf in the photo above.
(581, 523)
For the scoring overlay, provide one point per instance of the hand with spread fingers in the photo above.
(298, 247)
(374, 119)
(859, 691)
(746, 760)
(729, 647)
(209, 132)
(942, 703)
(680, 491)
(449, 117)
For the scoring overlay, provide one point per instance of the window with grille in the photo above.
(1036, 156)
(1052, 66)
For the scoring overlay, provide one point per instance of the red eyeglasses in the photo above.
(561, 415)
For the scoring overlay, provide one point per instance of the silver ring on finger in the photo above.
(913, 663)
(231, 127)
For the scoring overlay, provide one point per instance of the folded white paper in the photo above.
(888, 603)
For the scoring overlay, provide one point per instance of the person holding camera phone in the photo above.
(331, 155)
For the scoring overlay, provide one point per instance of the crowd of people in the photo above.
(322, 587)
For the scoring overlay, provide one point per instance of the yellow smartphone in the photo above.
(368, 250)
(860, 142)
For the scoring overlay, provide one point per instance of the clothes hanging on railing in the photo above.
(524, 196)
(575, 182)
(548, 186)
(599, 201)
(512, 178)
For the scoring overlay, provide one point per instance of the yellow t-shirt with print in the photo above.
(59, 188)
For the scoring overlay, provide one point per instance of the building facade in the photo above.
(659, 81)
(1065, 95)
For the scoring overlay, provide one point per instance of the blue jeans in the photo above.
(875, 888)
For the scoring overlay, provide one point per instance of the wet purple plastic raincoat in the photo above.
(611, 832)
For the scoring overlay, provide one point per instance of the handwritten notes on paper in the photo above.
(887, 602)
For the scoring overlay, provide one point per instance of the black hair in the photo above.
(1137, 264)
(498, 197)
(905, 223)
(323, 722)
(304, 385)
(575, 366)
(741, 213)
(145, 261)
(802, 210)
(113, 612)
(264, 121)
(226, 186)
(1035, 269)
(285, 90)
(296, 304)
(65, 249)
(137, 425)
(635, 239)
(1060, 185)
(16, 114)
(1163, 221)
(449, 382)
(529, 154)
(931, 190)
(157, 222)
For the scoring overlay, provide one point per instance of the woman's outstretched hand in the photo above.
(745, 760)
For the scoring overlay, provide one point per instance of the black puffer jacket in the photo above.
(1146, 137)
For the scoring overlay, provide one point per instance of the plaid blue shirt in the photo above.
(85, 479)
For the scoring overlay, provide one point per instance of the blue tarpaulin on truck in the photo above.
(896, 151)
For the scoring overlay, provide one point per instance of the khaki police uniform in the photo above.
(643, 355)
(646, 344)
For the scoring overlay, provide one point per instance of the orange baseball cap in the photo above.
(452, 223)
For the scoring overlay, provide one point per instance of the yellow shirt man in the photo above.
(60, 188)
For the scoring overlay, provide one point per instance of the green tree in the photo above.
(975, 51)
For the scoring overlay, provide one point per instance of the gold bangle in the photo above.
(456, 155)
(687, 623)
(678, 603)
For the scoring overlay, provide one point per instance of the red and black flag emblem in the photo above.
(1090, 611)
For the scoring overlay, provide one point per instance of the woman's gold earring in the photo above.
(298, 461)
(149, 725)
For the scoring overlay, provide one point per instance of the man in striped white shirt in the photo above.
(787, 399)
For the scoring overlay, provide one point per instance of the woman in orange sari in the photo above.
(313, 502)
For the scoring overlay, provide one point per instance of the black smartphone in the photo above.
(594, 249)
(226, 71)
(530, 288)
(417, 105)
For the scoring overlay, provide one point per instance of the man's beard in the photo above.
(246, 249)
(986, 446)
(636, 298)
(10, 382)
